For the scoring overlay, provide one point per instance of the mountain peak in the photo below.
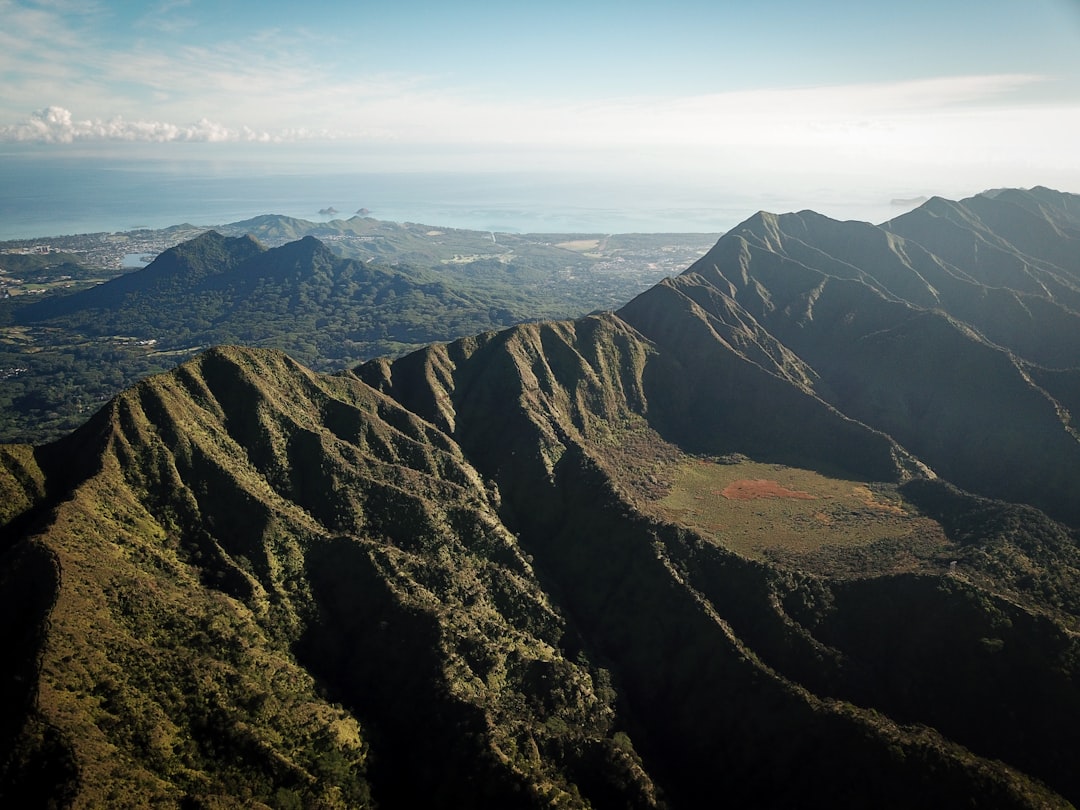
(212, 243)
(764, 224)
(305, 247)
(208, 254)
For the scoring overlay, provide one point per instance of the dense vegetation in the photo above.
(388, 288)
(584, 563)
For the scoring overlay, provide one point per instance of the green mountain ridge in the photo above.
(700, 550)
(371, 289)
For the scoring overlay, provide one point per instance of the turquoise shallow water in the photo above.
(56, 195)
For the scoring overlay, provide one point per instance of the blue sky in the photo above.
(952, 93)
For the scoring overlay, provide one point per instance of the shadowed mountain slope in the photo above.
(944, 358)
(243, 525)
(694, 552)
(605, 558)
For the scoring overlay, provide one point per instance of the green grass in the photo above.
(817, 513)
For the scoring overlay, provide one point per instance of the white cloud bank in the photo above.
(57, 125)
(884, 113)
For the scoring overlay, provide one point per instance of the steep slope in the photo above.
(689, 553)
(1020, 240)
(473, 583)
(723, 660)
(909, 344)
(242, 519)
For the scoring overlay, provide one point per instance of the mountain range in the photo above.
(796, 527)
(331, 295)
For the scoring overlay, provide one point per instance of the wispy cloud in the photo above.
(404, 111)
(282, 85)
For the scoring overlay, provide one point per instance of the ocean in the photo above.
(54, 195)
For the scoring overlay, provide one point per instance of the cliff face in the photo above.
(699, 550)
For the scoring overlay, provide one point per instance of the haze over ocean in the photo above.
(52, 196)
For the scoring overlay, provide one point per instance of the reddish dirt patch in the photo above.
(748, 490)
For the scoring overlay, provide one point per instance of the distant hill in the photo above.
(788, 529)
(301, 296)
(278, 229)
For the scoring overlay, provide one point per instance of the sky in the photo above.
(950, 96)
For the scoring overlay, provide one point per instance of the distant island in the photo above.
(328, 212)
(906, 201)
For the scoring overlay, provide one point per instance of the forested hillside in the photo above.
(794, 528)
(369, 289)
